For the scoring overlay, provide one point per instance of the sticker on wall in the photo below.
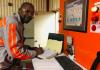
(95, 28)
(95, 18)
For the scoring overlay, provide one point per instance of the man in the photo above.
(11, 37)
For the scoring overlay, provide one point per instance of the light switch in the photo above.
(69, 40)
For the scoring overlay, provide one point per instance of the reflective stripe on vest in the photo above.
(4, 22)
(0, 23)
(1, 42)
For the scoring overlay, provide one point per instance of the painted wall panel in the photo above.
(86, 44)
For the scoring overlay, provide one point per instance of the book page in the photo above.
(46, 64)
(47, 54)
(54, 45)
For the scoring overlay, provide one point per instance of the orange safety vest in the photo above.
(12, 44)
(1, 42)
(2, 23)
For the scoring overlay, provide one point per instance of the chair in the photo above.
(54, 36)
(96, 62)
(57, 37)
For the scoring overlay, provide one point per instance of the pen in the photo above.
(39, 45)
(38, 57)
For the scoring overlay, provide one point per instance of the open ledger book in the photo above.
(47, 54)
(53, 48)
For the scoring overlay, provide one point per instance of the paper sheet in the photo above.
(47, 54)
(46, 64)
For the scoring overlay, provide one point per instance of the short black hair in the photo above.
(27, 3)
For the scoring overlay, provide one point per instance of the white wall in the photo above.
(39, 28)
(44, 23)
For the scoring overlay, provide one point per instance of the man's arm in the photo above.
(13, 46)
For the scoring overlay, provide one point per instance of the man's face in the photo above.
(26, 14)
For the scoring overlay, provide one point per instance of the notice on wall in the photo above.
(95, 28)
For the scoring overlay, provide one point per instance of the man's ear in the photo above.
(19, 10)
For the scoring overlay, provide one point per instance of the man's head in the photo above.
(26, 12)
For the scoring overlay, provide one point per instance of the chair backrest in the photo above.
(58, 37)
(54, 36)
(96, 63)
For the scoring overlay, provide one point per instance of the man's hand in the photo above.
(39, 50)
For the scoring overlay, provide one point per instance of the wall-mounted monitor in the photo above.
(75, 15)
